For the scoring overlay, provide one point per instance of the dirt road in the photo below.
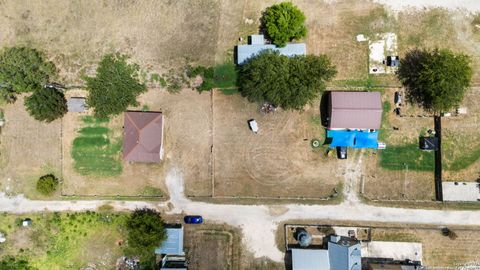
(470, 5)
(257, 221)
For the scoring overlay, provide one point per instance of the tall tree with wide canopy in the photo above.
(436, 80)
(145, 232)
(24, 69)
(286, 82)
(115, 87)
(283, 22)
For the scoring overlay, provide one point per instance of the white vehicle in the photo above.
(253, 125)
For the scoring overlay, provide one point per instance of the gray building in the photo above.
(343, 253)
(171, 250)
(257, 45)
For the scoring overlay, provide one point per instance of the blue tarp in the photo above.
(353, 138)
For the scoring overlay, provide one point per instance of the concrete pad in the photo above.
(461, 192)
(394, 250)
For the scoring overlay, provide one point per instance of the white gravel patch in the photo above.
(399, 5)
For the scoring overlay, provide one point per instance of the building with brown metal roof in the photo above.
(354, 110)
(143, 136)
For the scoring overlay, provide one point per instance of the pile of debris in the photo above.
(268, 108)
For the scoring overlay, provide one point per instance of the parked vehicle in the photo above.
(342, 152)
(253, 125)
(193, 219)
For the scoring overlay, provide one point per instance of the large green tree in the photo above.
(436, 80)
(145, 232)
(283, 22)
(115, 87)
(24, 69)
(46, 104)
(288, 82)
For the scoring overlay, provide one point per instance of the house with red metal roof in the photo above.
(143, 137)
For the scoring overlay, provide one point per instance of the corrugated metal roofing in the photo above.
(76, 104)
(355, 110)
(310, 259)
(173, 245)
(143, 136)
(244, 52)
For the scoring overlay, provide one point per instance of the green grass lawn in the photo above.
(65, 241)
(399, 157)
(94, 152)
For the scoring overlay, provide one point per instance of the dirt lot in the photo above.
(278, 161)
(28, 150)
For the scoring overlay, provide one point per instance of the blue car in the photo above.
(193, 219)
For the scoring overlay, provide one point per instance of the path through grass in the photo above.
(94, 152)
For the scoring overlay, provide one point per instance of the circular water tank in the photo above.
(304, 238)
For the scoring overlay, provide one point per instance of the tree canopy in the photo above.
(145, 232)
(283, 22)
(436, 80)
(287, 82)
(46, 104)
(24, 69)
(115, 86)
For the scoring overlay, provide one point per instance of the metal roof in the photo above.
(310, 259)
(143, 136)
(76, 104)
(244, 52)
(173, 245)
(355, 110)
(345, 254)
(257, 39)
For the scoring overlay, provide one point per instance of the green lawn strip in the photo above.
(225, 75)
(399, 157)
(229, 91)
(94, 152)
(94, 120)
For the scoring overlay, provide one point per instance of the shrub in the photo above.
(24, 69)
(115, 87)
(47, 184)
(46, 104)
(283, 22)
(15, 263)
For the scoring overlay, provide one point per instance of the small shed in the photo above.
(2, 238)
(27, 222)
(429, 143)
(77, 104)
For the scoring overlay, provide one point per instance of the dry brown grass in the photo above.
(28, 150)
(278, 161)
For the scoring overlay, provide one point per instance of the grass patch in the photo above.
(458, 152)
(385, 130)
(229, 91)
(394, 236)
(94, 153)
(94, 120)
(225, 75)
(151, 191)
(400, 157)
(66, 241)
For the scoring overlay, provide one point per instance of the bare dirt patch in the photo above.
(276, 162)
(28, 149)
